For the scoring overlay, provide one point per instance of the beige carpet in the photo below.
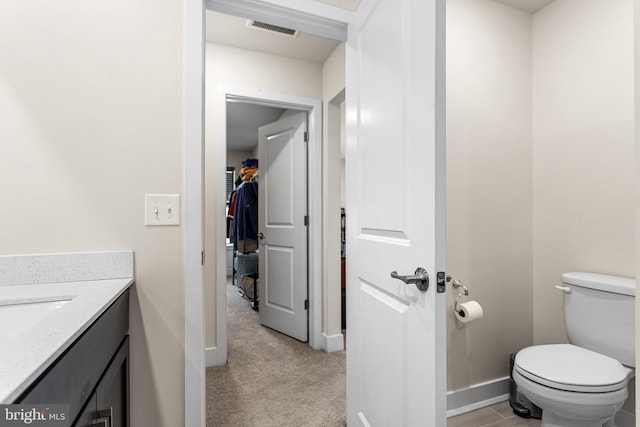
(271, 379)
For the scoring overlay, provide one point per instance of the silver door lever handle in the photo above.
(420, 278)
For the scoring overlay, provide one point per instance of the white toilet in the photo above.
(584, 384)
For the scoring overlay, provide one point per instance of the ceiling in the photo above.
(243, 120)
(233, 31)
(530, 6)
(345, 4)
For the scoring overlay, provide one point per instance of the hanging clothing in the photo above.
(232, 204)
(243, 209)
(245, 218)
(248, 172)
(230, 212)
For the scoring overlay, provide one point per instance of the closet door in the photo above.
(281, 226)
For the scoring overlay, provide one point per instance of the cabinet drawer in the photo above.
(74, 375)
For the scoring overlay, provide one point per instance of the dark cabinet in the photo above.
(92, 375)
(112, 391)
(87, 416)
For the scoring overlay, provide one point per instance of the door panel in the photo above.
(282, 209)
(279, 269)
(395, 356)
(382, 112)
(279, 158)
(382, 316)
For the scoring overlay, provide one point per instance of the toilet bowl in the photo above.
(584, 383)
(575, 387)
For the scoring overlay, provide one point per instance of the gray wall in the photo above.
(489, 227)
(541, 167)
(583, 149)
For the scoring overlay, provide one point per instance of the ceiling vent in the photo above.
(263, 26)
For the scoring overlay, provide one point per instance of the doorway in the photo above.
(269, 79)
(257, 335)
(243, 171)
(267, 212)
(227, 86)
(218, 159)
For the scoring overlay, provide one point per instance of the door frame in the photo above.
(310, 16)
(313, 108)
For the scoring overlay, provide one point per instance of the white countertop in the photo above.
(24, 357)
(90, 281)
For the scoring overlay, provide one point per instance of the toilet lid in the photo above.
(571, 368)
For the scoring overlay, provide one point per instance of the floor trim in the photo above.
(625, 419)
(489, 393)
(332, 343)
(213, 357)
(477, 396)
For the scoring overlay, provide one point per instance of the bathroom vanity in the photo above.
(70, 345)
(92, 375)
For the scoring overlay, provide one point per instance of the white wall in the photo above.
(92, 110)
(333, 85)
(583, 148)
(636, 20)
(581, 164)
(230, 67)
(488, 185)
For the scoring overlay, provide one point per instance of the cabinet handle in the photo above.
(104, 418)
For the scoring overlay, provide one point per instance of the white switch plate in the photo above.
(161, 209)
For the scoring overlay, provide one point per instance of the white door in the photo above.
(282, 209)
(395, 211)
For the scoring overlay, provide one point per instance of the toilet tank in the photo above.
(599, 314)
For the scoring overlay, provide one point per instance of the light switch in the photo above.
(161, 209)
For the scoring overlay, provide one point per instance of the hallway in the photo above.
(271, 379)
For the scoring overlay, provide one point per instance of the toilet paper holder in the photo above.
(457, 284)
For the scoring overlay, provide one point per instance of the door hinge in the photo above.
(202, 258)
(306, 136)
(306, 304)
(306, 220)
(440, 282)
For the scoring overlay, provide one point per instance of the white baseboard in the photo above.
(212, 357)
(486, 394)
(625, 419)
(477, 396)
(332, 343)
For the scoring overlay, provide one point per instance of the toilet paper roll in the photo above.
(469, 311)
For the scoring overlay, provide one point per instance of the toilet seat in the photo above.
(571, 368)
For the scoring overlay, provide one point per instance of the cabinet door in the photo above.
(87, 415)
(112, 391)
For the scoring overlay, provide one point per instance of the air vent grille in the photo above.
(263, 26)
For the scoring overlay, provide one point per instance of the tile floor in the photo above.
(499, 414)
